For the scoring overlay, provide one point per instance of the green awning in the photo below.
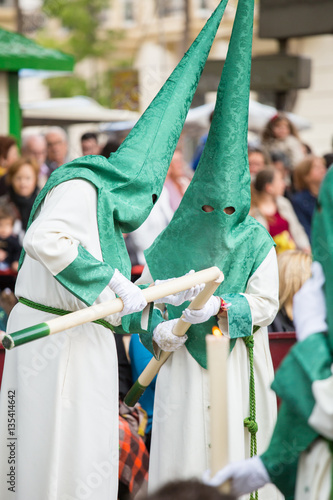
(18, 52)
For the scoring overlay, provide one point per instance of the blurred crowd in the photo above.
(285, 180)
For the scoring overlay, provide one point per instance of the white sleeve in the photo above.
(262, 291)
(67, 219)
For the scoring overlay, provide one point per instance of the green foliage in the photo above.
(67, 86)
(81, 19)
(82, 35)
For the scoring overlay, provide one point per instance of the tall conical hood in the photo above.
(223, 170)
(135, 173)
(322, 243)
(222, 178)
(140, 165)
(129, 181)
(197, 239)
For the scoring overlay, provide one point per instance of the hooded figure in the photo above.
(63, 390)
(299, 458)
(212, 227)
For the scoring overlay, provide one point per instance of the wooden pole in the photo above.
(104, 309)
(180, 329)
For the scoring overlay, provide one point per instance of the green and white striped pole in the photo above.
(104, 309)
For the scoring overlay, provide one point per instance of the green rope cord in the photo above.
(58, 312)
(250, 422)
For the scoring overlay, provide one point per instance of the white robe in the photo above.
(65, 444)
(180, 446)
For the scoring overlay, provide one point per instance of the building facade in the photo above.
(155, 33)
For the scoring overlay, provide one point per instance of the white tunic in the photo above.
(65, 444)
(181, 436)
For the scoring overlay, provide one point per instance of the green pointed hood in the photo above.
(223, 170)
(322, 243)
(222, 178)
(195, 239)
(135, 173)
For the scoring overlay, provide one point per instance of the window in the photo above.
(169, 7)
(129, 10)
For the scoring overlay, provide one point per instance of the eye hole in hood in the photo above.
(207, 208)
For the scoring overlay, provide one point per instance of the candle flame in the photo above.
(216, 331)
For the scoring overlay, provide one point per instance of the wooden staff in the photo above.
(104, 309)
(180, 329)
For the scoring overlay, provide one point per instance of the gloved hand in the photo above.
(244, 476)
(164, 337)
(179, 298)
(211, 308)
(130, 294)
(309, 306)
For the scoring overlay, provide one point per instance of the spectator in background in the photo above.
(89, 144)
(257, 161)
(328, 159)
(110, 147)
(294, 269)
(22, 177)
(275, 212)
(34, 146)
(176, 181)
(10, 247)
(8, 154)
(57, 148)
(281, 162)
(281, 135)
(308, 176)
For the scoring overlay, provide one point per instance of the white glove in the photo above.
(309, 306)
(130, 294)
(211, 308)
(245, 476)
(179, 298)
(164, 337)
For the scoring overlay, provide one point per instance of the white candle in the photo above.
(217, 354)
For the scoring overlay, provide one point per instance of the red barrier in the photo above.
(279, 344)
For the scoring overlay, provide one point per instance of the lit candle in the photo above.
(217, 355)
